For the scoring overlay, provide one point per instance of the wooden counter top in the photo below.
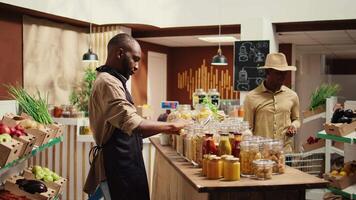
(292, 179)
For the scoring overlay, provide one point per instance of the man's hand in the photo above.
(291, 131)
(177, 127)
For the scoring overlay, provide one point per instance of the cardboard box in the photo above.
(9, 151)
(339, 129)
(55, 129)
(316, 111)
(309, 147)
(57, 186)
(340, 182)
(11, 186)
(28, 142)
(42, 135)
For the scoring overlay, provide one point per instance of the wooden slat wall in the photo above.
(207, 77)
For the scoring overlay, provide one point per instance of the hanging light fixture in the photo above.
(219, 58)
(90, 56)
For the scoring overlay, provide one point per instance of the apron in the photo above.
(123, 161)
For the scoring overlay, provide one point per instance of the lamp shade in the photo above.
(219, 59)
(90, 56)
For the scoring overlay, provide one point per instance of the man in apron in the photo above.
(272, 109)
(117, 128)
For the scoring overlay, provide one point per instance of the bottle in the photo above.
(214, 97)
(198, 96)
(224, 144)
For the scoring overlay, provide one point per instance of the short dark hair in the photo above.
(121, 40)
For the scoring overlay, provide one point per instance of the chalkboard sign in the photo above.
(249, 56)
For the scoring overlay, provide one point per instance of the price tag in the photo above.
(169, 105)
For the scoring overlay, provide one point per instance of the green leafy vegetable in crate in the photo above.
(324, 91)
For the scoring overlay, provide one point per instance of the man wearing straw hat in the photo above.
(272, 109)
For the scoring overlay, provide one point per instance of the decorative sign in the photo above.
(249, 56)
(169, 105)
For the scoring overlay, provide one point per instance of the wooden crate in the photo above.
(42, 135)
(309, 147)
(340, 182)
(28, 142)
(57, 186)
(55, 129)
(11, 186)
(339, 129)
(9, 151)
(316, 111)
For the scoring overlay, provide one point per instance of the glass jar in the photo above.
(206, 157)
(224, 157)
(185, 112)
(249, 151)
(235, 145)
(263, 169)
(209, 146)
(241, 112)
(187, 143)
(199, 139)
(198, 96)
(179, 142)
(214, 167)
(224, 144)
(231, 169)
(214, 97)
(273, 150)
(245, 130)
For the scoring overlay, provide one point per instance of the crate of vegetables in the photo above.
(32, 189)
(313, 143)
(343, 177)
(342, 123)
(50, 178)
(9, 149)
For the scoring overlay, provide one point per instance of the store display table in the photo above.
(175, 178)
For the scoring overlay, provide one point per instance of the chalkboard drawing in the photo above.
(261, 72)
(243, 54)
(243, 76)
(259, 57)
(259, 81)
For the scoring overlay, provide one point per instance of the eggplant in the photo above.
(338, 114)
(344, 119)
(349, 113)
(31, 186)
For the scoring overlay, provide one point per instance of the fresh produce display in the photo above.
(312, 140)
(349, 169)
(6, 195)
(36, 107)
(319, 96)
(343, 116)
(45, 174)
(29, 124)
(31, 186)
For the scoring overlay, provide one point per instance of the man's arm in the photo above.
(295, 118)
(149, 128)
(249, 112)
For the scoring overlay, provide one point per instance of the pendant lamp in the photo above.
(219, 59)
(90, 56)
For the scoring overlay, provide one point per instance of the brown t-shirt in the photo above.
(108, 109)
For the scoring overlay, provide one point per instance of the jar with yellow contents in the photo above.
(224, 157)
(232, 169)
(249, 151)
(224, 144)
(206, 158)
(214, 167)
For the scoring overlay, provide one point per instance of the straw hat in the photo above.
(278, 62)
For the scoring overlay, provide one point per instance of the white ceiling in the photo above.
(185, 41)
(340, 43)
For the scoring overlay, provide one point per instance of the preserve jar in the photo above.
(209, 146)
(249, 151)
(224, 144)
(273, 150)
(214, 167)
(231, 169)
(263, 169)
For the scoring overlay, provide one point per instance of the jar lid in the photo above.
(225, 156)
(216, 158)
(211, 157)
(232, 159)
(263, 162)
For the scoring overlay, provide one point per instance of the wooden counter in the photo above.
(175, 178)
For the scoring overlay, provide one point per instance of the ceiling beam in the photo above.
(186, 31)
(316, 25)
